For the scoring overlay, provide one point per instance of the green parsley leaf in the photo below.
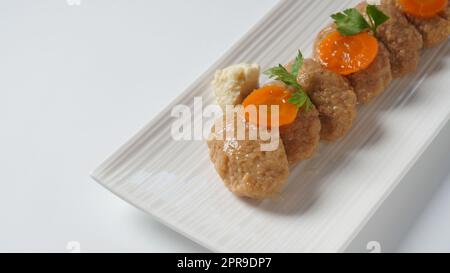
(350, 22)
(298, 64)
(376, 16)
(300, 98)
(280, 73)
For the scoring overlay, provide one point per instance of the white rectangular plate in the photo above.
(329, 198)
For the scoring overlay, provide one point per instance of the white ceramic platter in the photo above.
(329, 198)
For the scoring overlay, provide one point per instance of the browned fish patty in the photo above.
(374, 80)
(245, 168)
(401, 38)
(370, 82)
(434, 30)
(333, 97)
(302, 137)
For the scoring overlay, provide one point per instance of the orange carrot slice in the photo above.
(346, 55)
(423, 8)
(272, 95)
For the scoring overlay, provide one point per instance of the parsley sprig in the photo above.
(351, 21)
(300, 98)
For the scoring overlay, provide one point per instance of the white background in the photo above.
(77, 81)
